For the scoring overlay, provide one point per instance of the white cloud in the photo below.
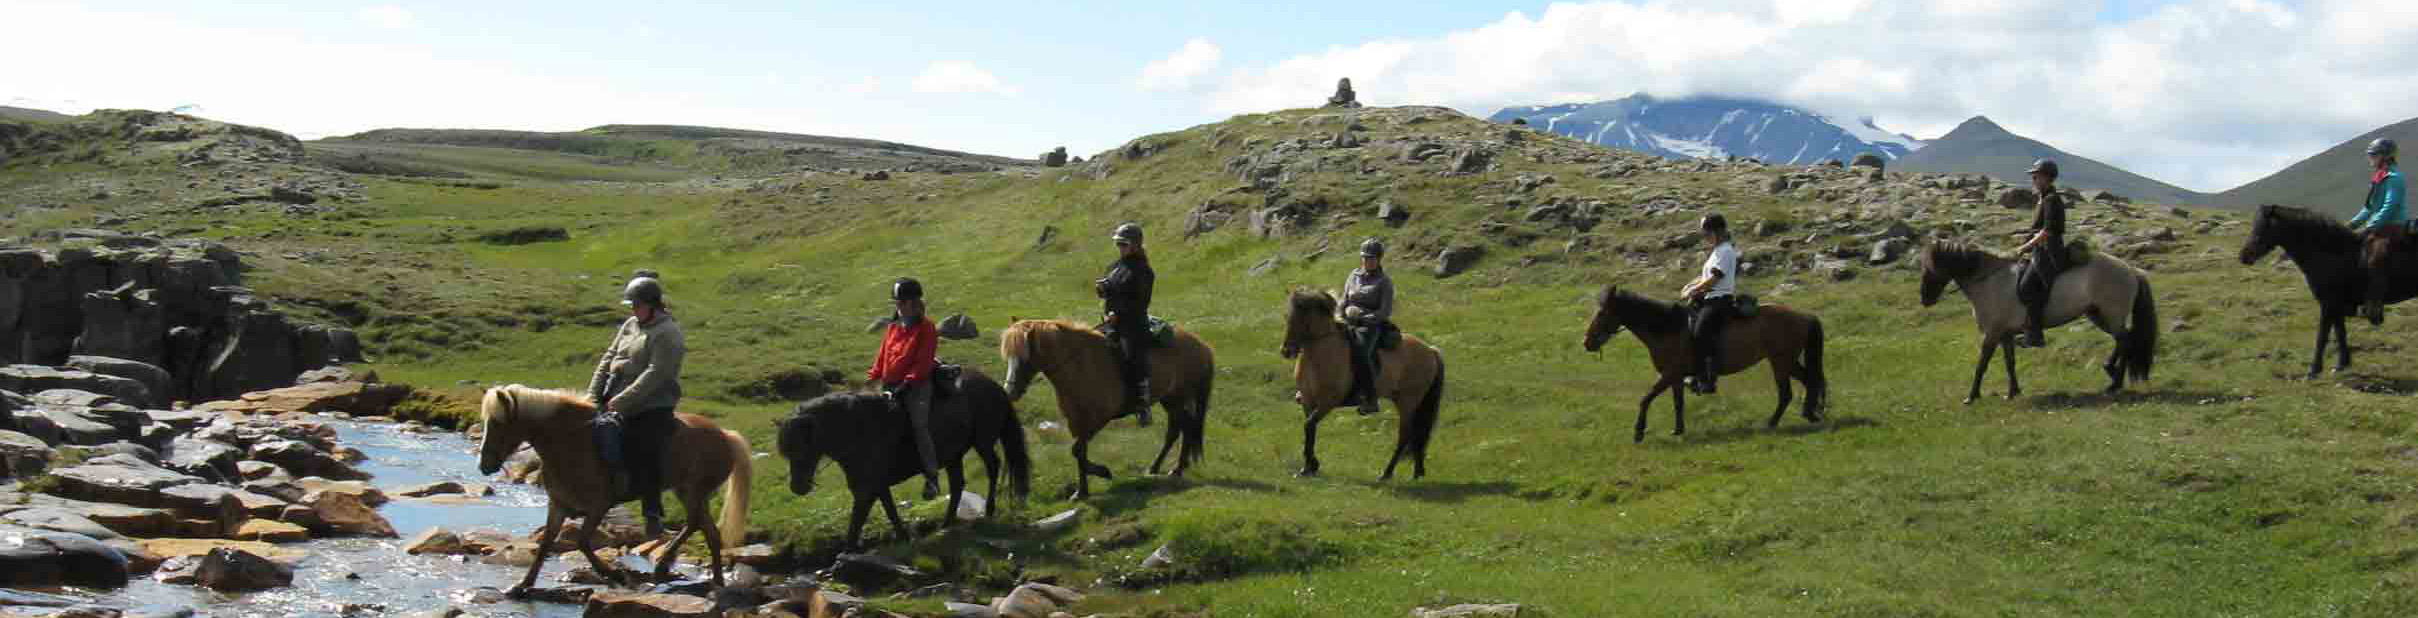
(2202, 93)
(958, 77)
(1179, 70)
(868, 85)
(385, 16)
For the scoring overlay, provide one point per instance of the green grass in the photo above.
(2219, 488)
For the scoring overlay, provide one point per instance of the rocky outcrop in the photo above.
(1344, 97)
(228, 569)
(1054, 158)
(32, 558)
(118, 479)
(154, 379)
(37, 378)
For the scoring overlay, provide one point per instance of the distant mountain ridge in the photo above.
(1713, 127)
(2333, 180)
(1979, 146)
(679, 144)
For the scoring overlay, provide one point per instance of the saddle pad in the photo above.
(1162, 332)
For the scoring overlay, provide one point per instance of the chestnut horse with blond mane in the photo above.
(1411, 374)
(697, 458)
(1080, 362)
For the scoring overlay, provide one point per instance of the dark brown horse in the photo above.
(2327, 253)
(1792, 341)
(875, 449)
(1078, 360)
(1411, 374)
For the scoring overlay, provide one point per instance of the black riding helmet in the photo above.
(907, 288)
(643, 289)
(1372, 248)
(2384, 147)
(1130, 233)
(2044, 166)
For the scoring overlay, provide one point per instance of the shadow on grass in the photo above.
(1133, 493)
(2097, 399)
(1790, 426)
(2379, 385)
(1451, 492)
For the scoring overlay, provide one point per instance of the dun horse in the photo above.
(2111, 293)
(875, 448)
(2327, 253)
(1411, 374)
(697, 457)
(1791, 340)
(1077, 359)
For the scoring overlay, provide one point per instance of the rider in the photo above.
(1125, 297)
(2048, 253)
(1713, 295)
(2380, 221)
(1368, 307)
(904, 369)
(637, 383)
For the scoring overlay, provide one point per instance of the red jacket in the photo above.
(907, 353)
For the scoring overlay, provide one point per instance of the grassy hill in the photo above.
(22, 114)
(2335, 180)
(1982, 147)
(698, 150)
(2219, 488)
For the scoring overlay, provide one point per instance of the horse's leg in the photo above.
(713, 536)
(587, 547)
(856, 521)
(2014, 386)
(1644, 405)
(2342, 341)
(990, 468)
(957, 491)
(2325, 326)
(1175, 430)
(2115, 364)
(890, 506)
(671, 551)
(1084, 468)
(1781, 369)
(545, 547)
(1679, 412)
(1989, 347)
(1402, 442)
(1309, 440)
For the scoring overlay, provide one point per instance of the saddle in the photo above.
(1162, 332)
(944, 379)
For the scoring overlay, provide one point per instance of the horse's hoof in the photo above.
(1384, 478)
(518, 592)
(1640, 438)
(1969, 399)
(1306, 473)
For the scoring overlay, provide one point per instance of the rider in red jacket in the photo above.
(904, 369)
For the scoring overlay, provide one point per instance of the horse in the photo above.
(2327, 253)
(1412, 375)
(697, 457)
(874, 445)
(2113, 294)
(1080, 362)
(1790, 339)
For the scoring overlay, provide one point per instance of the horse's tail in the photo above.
(1019, 462)
(734, 491)
(2141, 341)
(1817, 387)
(1423, 421)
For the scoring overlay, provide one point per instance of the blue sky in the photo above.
(2202, 93)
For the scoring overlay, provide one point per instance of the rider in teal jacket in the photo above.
(2381, 222)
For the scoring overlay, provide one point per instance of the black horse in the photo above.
(2327, 253)
(875, 446)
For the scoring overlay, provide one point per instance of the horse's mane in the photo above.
(1643, 314)
(1014, 339)
(1307, 300)
(1954, 258)
(2299, 225)
(833, 411)
(530, 404)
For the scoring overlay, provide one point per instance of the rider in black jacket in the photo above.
(1125, 297)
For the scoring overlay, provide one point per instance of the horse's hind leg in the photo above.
(1647, 404)
(2342, 342)
(670, 553)
(1402, 444)
(1175, 430)
(587, 547)
(890, 507)
(1989, 347)
(2014, 386)
(2115, 365)
(1781, 370)
(1679, 411)
(545, 547)
(990, 468)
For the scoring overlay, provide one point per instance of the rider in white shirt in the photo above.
(1712, 298)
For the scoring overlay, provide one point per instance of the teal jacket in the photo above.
(2384, 202)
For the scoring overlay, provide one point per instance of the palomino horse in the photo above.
(2110, 292)
(1411, 374)
(697, 457)
(1078, 360)
(2327, 253)
(1790, 339)
(875, 447)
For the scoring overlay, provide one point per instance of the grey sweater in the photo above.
(1373, 293)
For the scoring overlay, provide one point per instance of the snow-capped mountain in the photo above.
(1700, 127)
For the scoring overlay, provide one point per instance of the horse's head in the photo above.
(501, 436)
(1016, 347)
(1309, 314)
(1942, 264)
(1604, 325)
(796, 443)
(2261, 239)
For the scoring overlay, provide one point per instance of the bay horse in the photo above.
(698, 457)
(2112, 294)
(1790, 339)
(1080, 362)
(1411, 374)
(2327, 253)
(875, 448)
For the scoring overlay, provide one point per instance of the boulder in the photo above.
(1469, 610)
(1887, 250)
(1870, 160)
(832, 604)
(319, 346)
(340, 514)
(959, 327)
(155, 380)
(870, 571)
(31, 558)
(204, 458)
(256, 351)
(305, 460)
(122, 480)
(1061, 522)
(354, 398)
(249, 470)
(191, 549)
(424, 490)
(229, 569)
(2018, 197)
(1056, 157)
(253, 504)
(876, 175)
(324, 374)
(203, 502)
(613, 604)
(23, 455)
(1394, 215)
(123, 323)
(56, 519)
(757, 555)
(271, 531)
(436, 541)
(1024, 602)
(1344, 97)
(37, 378)
(118, 518)
(1453, 260)
(1472, 161)
(969, 610)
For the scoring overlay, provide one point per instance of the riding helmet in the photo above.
(1372, 248)
(2383, 146)
(643, 290)
(1714, 223)
(2044, 166)
(907, 288)
(1128, 233)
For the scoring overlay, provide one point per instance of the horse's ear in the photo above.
(511, 402)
